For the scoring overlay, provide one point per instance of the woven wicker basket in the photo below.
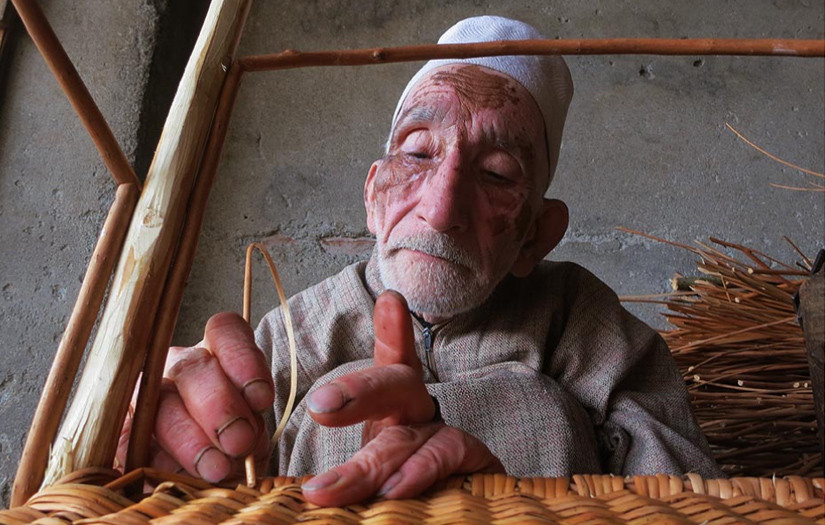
(480, 498)
(191, 143)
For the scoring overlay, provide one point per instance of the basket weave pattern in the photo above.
(479, 498)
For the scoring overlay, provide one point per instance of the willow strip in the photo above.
(285, 312)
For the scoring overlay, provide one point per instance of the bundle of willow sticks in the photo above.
(742, 354)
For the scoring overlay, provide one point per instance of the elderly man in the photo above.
(506, 363)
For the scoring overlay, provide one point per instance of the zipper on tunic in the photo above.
(429, 338)
(427, 332)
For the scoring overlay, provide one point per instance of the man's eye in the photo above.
(419, 154)
(496, 177)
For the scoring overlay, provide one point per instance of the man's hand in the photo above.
(212, 394)
(403, 450)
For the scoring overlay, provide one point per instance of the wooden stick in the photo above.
(146, 409)
(611, 46)
(91, 429)
(69, 79)
(70, 351)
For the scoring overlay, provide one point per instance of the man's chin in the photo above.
(437, 291)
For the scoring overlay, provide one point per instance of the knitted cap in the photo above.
(546, 77)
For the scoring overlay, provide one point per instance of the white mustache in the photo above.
(438, 245)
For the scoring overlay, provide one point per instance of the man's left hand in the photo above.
(404, 451)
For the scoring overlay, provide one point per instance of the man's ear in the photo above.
(369, 195)
(548, 230)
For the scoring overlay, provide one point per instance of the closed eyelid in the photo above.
(518, 150)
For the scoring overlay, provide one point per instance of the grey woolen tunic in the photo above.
(551, 373)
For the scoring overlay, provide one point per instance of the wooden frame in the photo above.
(159, 229)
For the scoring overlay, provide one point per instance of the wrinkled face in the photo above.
(456, 197)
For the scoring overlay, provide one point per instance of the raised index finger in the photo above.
(232, 341)
(394, 341)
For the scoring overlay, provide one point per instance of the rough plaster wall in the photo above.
(645, 147)
(54, 190)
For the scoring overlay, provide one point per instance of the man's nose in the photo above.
(444, 199)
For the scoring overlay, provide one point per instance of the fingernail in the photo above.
(212, 465)
(258, 393)
(236, 437)
(319, 482)
(328, 398)
(388, 485)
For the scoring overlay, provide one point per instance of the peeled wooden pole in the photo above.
(146, 409)
(812, 314)
(69, 353)
(58, 61)
(613, 46)
(89, 434)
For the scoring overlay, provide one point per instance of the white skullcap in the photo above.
(546, 77)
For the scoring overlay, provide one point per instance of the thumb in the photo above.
(394, 341)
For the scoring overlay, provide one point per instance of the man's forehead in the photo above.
(483, 86)
(427, 104)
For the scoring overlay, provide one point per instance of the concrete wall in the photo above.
(645, 147)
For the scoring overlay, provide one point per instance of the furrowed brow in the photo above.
(411, 117)
(422, 114)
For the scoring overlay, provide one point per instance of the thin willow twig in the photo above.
(251, 477)
(817, 189)
(799, 252)
(773, 157)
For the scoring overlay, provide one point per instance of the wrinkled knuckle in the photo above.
(436, 459)
(402, 434)
(175, 350)
(190, 359)
(470, 442)
(369, 383)
(223, 319)
(455, 436)
(369, 466)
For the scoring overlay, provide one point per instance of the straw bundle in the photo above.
(742, 353)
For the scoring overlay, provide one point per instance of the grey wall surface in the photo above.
(645, 147)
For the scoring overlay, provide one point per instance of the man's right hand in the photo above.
(212, 394)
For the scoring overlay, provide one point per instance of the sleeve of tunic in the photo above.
(622, 372)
